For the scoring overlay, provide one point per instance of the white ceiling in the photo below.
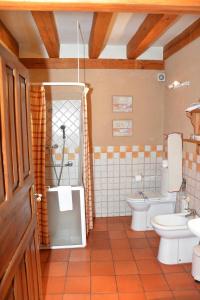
(125, 25)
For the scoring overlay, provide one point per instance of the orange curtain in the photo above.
(38, 119)
(87, 165)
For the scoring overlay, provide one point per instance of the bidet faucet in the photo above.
(191, 212)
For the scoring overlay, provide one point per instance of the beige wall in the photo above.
(182, 66)
(148, 100)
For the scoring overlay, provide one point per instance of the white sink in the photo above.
(194, 226)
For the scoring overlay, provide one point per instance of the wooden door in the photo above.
(20, 276)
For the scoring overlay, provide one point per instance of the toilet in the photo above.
(176, 240)
(146, 205)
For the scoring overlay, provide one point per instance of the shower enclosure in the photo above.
(64, 168)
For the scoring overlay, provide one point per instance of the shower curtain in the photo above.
(38, 123)
(87, 165)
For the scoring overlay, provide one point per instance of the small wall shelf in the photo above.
(193, 142)
(194, 117)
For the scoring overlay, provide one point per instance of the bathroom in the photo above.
(115, 262)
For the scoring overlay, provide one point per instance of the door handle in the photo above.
(37, 197)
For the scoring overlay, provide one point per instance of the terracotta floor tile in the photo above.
(101, 255)
(115, 226)
(53, 297)
(135, 234)
(125, 267)
(126, 219)
(54, 269)
(128, 284)
(187, 267)
(154, 282)
(122, 254)
(104, 296)
(180, 281)
(145, 253)
(103, 284)
(151, 234)
(120, 244)
(77, 285)
(139, 243)
(76, 297)
(148, 266)
(154, 242)
(132, 296)
(78, 269)
(102, 268)
(44, 255)
(59, 255)
(100, 244)
(172, 268)
(117, 234)
(186, 295)
(114, 220)
(80, 255)
(159, 295)
(100, 221)
(99, 235)
(53, 285)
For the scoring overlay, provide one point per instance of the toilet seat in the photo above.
(170, 222)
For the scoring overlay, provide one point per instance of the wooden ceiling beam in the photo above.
(7, 40)
(148, 6)
(46, 25)
(184, 38)
(71, 63)
(100, 30)
(149, 31)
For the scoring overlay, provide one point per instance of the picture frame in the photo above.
(122, 104)
(122, 128)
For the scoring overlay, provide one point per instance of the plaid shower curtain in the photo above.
(38, 124)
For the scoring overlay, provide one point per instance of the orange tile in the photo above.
(104, 296)
(122, 154)
(172, 268)
(122, 254)
(148, 266)
(146, 154)
(115, 226)
(58, 156)
(134, 154)
(154, 282)
(159, 153)
(125, 267)
(53, 285)
(180, 281)
(103, 149)
(99, 235)
(110, 155)
(128, 284)
(153, 148)
(150, 234)
(159, 295)
(139, 243)
(44, 255)
(59, 255)
(128, 148)
(120, 244)
(143, 253)
(80, 255)
(186, 295)
(101, 255)
(117, 234)
(132, 296)
(97, 155)
(77, 285)
(78, 269)
(53, 297)
(101, 244)
(55, 269)
(76, 297)
(116, 148)
(135, 234)
(103, 284)
(187, 267)
(102, 268)
(154, 242)
(141, 148)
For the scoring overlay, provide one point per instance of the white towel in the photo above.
(175, 162)
(65, 198)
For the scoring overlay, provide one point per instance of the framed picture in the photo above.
(122, 103)
(122, 127)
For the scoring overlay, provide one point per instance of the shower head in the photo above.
(62, 127)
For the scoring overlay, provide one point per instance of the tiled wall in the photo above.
(114, 170)
(191, 172)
